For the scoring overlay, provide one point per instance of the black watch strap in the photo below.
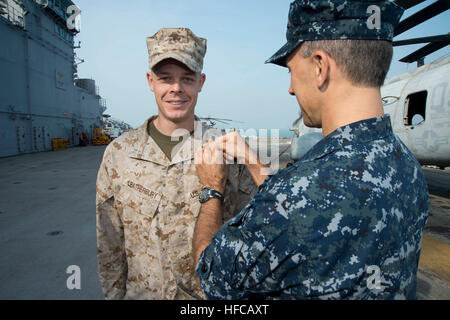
(209, 193)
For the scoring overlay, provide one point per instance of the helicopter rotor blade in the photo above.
(220, 120)
(423, 15)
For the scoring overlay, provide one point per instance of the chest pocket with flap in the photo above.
(140, 198)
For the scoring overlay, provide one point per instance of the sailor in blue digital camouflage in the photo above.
(346, 220)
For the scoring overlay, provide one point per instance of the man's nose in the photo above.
(291, 91)
(177, 87)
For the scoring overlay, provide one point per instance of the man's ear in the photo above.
(150, 80)
(202, 81)
(321, 64)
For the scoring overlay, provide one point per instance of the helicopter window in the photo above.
(415, 108)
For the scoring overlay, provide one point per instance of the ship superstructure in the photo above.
(41, 96)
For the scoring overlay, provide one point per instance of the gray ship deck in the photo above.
(47, 223)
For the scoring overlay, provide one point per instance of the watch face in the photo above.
(204, 195)
(208, 193)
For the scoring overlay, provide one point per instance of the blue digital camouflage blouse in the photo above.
(344, 222)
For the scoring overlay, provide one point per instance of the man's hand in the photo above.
(211, 168)
(235, 148)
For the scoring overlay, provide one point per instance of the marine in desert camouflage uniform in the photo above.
(345, 221)
(148, 201)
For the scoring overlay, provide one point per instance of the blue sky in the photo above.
(241, 35)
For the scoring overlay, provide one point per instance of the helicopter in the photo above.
(212, 122)
(418, 101)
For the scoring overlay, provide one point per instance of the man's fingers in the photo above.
(228, 147)
(227, 144)
(216, 155)
(228, 158)
(199, 155)
(220, 143)
(209, 154)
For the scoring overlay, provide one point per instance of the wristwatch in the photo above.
(208, 193)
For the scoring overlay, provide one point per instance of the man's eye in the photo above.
(188, 79)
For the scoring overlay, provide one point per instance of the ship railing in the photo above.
(103, 104)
